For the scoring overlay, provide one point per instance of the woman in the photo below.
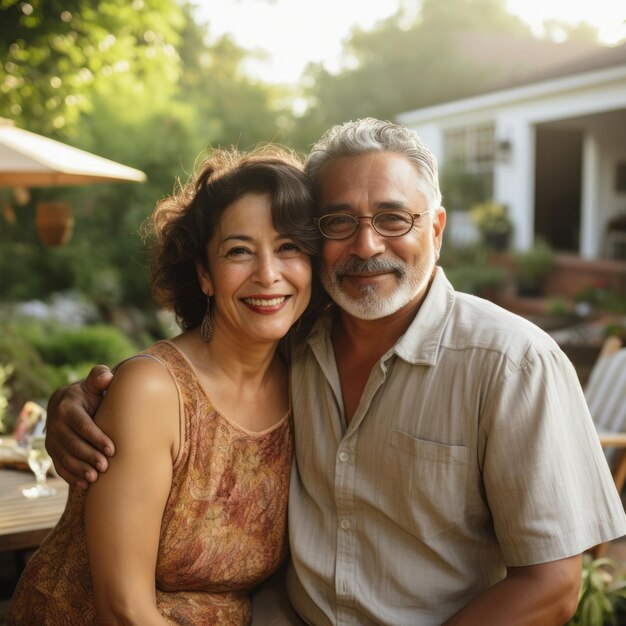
(191, 514)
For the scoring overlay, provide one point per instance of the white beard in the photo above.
(371, 305)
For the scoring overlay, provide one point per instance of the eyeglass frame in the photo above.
(357, 221)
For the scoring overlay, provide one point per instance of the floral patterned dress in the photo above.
(223, 529)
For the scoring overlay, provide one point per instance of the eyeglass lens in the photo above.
(387, 223)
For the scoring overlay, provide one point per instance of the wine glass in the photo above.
(40, 462)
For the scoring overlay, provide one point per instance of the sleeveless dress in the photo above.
(223, 529)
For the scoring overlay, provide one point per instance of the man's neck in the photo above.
(359, 344)
(371, 337)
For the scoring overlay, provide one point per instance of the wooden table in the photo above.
(23, 522)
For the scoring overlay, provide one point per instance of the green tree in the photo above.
(229, 107)
(404, 63)
(158, 114)
(559, 31)
(57, 53)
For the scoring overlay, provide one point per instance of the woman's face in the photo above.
(260, 279)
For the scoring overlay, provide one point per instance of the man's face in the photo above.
(370, 276)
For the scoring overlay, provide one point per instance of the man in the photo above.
(447, 469)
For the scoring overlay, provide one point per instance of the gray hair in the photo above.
(371, 135)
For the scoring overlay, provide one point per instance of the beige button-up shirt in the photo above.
(472, 450)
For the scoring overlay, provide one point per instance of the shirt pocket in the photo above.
(426, 483)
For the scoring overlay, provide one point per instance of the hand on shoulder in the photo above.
(142, 401)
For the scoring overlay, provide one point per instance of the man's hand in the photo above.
(79, 449)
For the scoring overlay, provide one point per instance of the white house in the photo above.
(553, 147)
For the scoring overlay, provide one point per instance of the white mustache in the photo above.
(365, 266)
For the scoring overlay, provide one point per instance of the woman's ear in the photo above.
(204, 279)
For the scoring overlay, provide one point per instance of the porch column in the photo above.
(589, 226)
(514, 182)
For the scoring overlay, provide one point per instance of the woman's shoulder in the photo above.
(149, 364)
(141, 401)
(145, 378)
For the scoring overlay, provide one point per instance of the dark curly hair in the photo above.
(182, 224)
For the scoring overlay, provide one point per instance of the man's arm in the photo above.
(79, 449)
(545, 594)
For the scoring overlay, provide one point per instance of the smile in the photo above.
(265, 302)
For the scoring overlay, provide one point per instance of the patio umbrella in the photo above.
(31, 160)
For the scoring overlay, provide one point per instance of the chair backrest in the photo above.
(606, 392)
(606, 396)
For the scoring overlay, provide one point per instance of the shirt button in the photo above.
(345, 524)
(343, 456)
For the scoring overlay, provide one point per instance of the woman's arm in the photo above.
(124, 507)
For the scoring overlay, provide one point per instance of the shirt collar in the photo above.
(420, 343)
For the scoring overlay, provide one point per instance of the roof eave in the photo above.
(516, 94)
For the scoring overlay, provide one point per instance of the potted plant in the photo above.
(493, 223)
(532, 267)
(55, 223)
(602, 597)
(469, 270)
(460, 188)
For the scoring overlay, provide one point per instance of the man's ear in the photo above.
(439, 224)
(204, 278)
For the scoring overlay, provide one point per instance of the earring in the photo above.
(206, 328)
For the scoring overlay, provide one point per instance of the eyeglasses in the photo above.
(385, 223)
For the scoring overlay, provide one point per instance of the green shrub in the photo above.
(532, 267)
(557, 306)
(460, 188)
(32, 379)
(603, 299)
(602, 594)
(45, 356)
(91, 344)
(469, 271)
(5, 394)
(479, 280)
(616, 329)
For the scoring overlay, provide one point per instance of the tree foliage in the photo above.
(134, 81)
(58, 52)
(404, 63)
(561, 31)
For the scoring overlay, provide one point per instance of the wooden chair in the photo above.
(606, 396)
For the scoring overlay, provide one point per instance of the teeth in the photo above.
(264, 301)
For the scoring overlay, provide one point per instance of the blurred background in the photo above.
(153, 84)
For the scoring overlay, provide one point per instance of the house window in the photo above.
(467, 175)
(472, 146)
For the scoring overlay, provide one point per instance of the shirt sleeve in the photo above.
(546, 479)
